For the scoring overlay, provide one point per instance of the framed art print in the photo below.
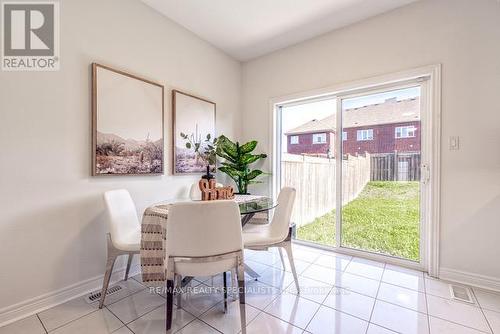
(127, 123)
(193, 117)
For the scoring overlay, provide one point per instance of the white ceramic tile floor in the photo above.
(336, 261)
(293, 309)
(488, 300)
(350, 302)
(399, 319)
(365, 268)
(493, 319)
(30, 325)
(328, 320)
(458, 312)
(339, 294)
(228, 322)
(407, 278)
(403, 297)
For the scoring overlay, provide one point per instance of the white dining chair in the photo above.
(278, 233)
(204, 238)
(124, 237)
(195, 192)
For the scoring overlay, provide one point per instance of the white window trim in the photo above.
(408, 128)
(344, 135)
(292, 142)
(322, 135)
(431, 142)
(368, 137)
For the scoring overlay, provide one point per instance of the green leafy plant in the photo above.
(237, 159)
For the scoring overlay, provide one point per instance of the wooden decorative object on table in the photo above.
(210, 192)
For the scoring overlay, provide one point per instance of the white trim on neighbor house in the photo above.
(364, 135)
(43, 302)
(408, 131)
(429, 77)
(294, 140)
(319, 138)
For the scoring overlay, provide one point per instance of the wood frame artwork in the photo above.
(195, 117)
(127, 124)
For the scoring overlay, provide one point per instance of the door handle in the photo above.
(425, 173)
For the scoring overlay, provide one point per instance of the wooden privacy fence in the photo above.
(314, 180)
(395, 167)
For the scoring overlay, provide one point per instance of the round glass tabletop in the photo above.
(257, 205)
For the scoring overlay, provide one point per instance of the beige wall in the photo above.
(52, 225)
(462, 35)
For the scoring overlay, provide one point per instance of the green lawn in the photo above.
(384, 218)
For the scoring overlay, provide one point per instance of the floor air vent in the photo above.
(96, 295)
(461, 293)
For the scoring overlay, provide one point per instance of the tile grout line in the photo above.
(76, 319)
(427, 307)
(45, 329)
(375, 299)
(482, 311)
(451, 321)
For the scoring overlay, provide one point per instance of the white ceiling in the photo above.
(246, 29)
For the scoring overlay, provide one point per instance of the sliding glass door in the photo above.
(355, 160)
(307, 163)
(380, 172)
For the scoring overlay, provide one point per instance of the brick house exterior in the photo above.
(305, 144)
(380, 120)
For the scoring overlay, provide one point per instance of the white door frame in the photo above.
(430, 77)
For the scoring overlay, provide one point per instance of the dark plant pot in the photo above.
(242, 193)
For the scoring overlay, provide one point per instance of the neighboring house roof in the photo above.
(391, 111)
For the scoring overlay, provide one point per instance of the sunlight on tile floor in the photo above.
(339, 294)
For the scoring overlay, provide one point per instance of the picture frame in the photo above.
(127, 123)
(194, 116)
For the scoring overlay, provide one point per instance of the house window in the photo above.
(319, 138)
(294, 140)
(366, 134)
(405, 131)
(344, 135)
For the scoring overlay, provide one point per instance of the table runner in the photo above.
(153, 238)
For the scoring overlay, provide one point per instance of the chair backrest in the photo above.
(204, 228)
(122, 214)
(283, 213)
(195, 193)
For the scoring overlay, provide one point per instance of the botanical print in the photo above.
(128, 124)
(194, 122)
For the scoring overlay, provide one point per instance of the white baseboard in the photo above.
(472, 279)
(31, 306)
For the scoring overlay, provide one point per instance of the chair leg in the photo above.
(129, 263)
(234, 283)
(281, 257)
(224, 289)
(110, 262)
(179, 290)
(170, 303)
(288, 248)
(241, 293)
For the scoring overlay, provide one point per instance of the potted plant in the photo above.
(237, 160)
(204, 150)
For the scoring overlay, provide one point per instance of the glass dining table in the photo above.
(250, 205)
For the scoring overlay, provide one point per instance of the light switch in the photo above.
(454, 143)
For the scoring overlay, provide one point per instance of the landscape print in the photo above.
(128, 124)
(194, 117)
